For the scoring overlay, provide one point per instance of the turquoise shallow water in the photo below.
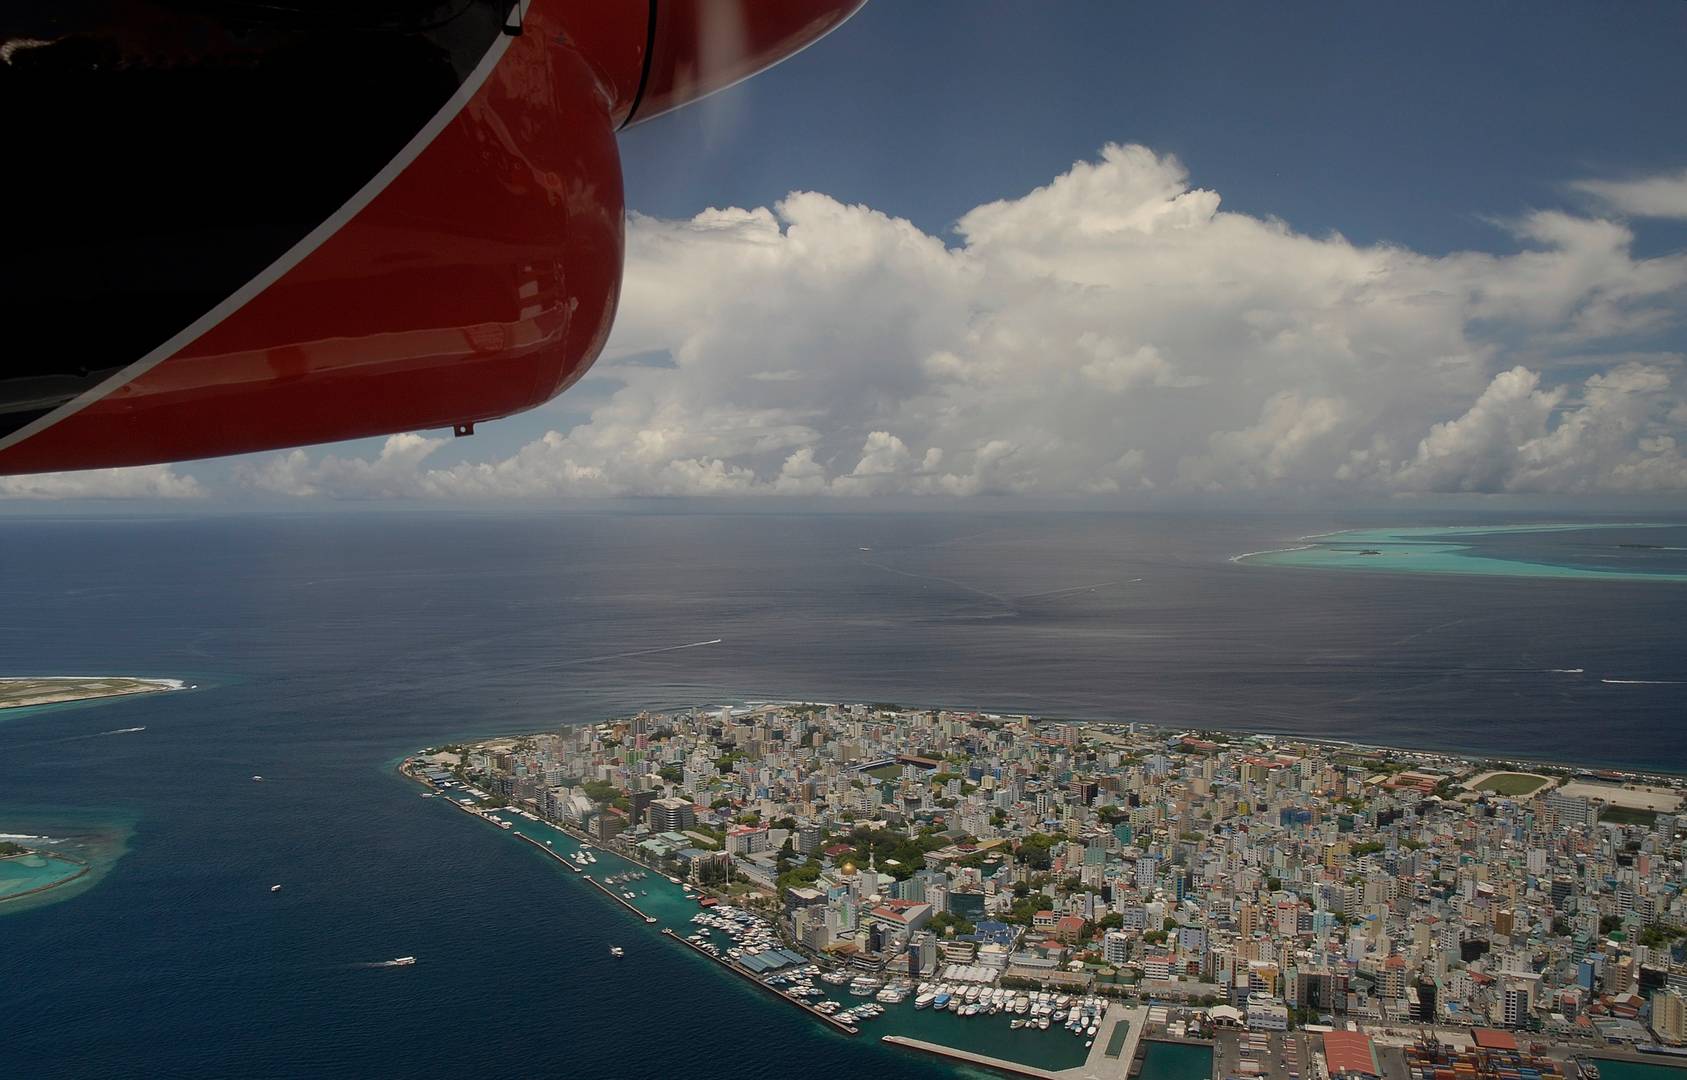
(657, 897)
(22, 873)
(69, 840)
(1472, 550)
(1176, 1061)
(1641, 1070)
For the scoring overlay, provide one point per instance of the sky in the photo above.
(1119, 254)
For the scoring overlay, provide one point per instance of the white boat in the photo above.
(616, 950)
(924, 999)
(402, 961)
(259, 779)
(275, 888)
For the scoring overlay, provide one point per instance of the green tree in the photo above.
(943, 920)
(600, 791)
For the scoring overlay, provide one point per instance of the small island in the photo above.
(17, 693)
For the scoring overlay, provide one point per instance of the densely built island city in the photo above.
(1294, 908)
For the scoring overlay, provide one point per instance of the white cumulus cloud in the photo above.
(1112, 332)
(137, 482)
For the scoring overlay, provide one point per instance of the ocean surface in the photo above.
(324, 647)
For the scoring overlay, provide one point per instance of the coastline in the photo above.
(37, 691)
(1469, 757)
(95, 840)
(1460, 767)
(83, 869)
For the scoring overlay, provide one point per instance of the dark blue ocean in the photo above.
(326, 646)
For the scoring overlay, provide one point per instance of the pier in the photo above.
(999, 1064)
(552, 852)
(606, 890)
(847, 1029)
(1110, 1058)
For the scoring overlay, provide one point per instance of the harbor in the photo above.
(1112, 1056)
(846, 1028)
(739, 942)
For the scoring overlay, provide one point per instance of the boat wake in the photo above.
(1071, 589)
(1645, 682)
(117, 731)
(645, 652)
(1271, 551)
(1566, 670)
(403, 961)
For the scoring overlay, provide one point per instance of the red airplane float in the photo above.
(238, 225)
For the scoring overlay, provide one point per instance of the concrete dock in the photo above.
(1097, 1066)
(557, 855)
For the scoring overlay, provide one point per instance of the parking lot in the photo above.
(1270, 1055)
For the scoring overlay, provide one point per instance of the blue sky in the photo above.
(1092, 250)
(1408, 123)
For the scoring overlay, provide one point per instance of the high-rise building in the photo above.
(606, 827)
(1669, 1016)
(1515, 1002)
(670, 815)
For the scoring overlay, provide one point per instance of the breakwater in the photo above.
(552, 852)
(847, 1029)
(607, 891)
(950, 1052)
(84, 868)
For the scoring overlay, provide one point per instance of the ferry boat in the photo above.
(924, 999)
(502, 824)
(942, 1001)
(402, 961)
